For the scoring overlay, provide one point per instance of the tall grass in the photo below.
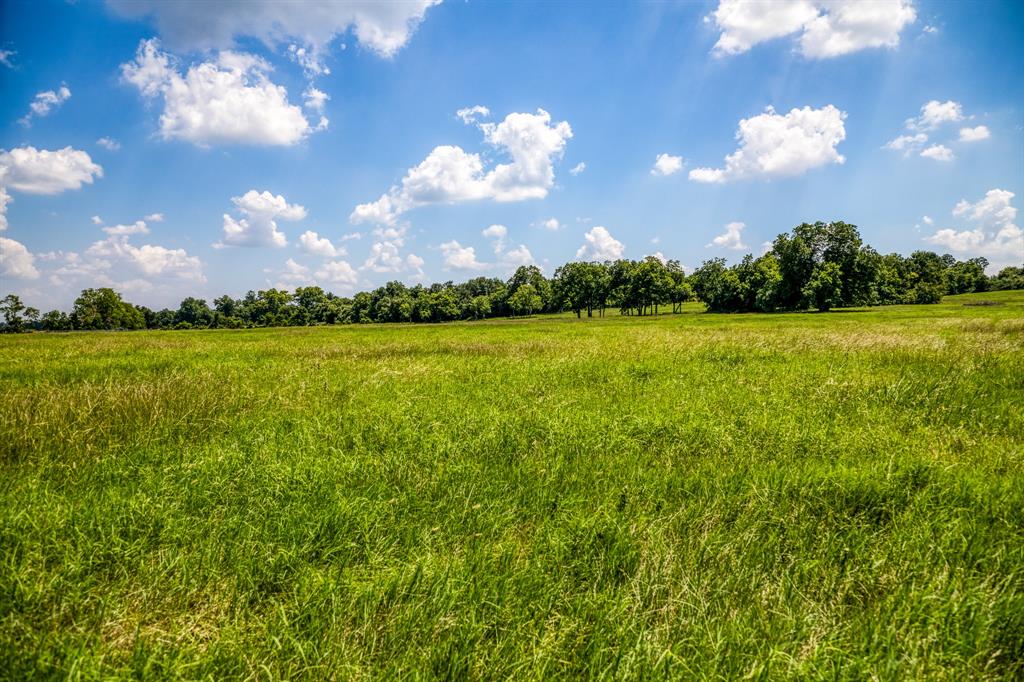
(774, 496)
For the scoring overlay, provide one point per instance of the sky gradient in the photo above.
(170, 150)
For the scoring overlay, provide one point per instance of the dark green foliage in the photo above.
(819, 265)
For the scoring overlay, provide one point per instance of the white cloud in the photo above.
(41, 171)
(96, 220)
(930, 29)
(16, 261)
(293, 275)
(974, 134)
(5, 199)
(935, 113)
(827, 28)
(381, 27)
(138, 227)
(259, 226)
(470, 114)
(600, 246)
(907, 143)
(337, 272)
(117, 252)
(109, 143)
(449, 174)
(659, 255)
(385, 256)
(518, 256)
(666, 164)
(551, 224)
(578, 168)
(995, 235)
(459, 257)
(938, 152)
(351, 235)
(46, 101)
(227, 101)
(312, 243)
(927, 220)
(497, 234)
(5, 58)
(732, 238)
(154, 218)
(773, 145)
(315, 100)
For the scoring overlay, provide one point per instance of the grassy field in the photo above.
(775, 496)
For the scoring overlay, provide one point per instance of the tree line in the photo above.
(817, 266)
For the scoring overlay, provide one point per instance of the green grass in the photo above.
(776, 496)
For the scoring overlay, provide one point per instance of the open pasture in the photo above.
(831, 495)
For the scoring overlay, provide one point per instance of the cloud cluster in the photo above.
(600, 245)
(451, 175)
(995, 234)
(777, 145)
(308, 27)
(732, 238)
(258, 227)
(315, 245)
(44, 102)
(16, 261)
(229, 100)
(666, 164)
(933, 117)
(827, 28)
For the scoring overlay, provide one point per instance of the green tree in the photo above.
(12, 309)
(104, 309)
(525, 300)
(825, 288)
(56, 321)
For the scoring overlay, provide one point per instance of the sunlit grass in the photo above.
(799, 495)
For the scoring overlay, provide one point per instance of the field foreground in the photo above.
(805, 495)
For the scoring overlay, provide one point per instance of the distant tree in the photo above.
(12, 309)
(964, 277)
(525, 300)
(531, 275)
(195, 312)
(825, 288)
(104, 309)
(480, 307)
(56, 321)
(1008, 278)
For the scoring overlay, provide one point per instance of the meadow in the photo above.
(809, 495)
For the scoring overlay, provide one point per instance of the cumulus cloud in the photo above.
(827, 28)
(5, 58)
(975, 134)
(907, 143)
(309, 27)
(732, 238)
(315, 100)
(551, 224)
(41, 171)
(109, 143)
(578, 168)
(313, 244)
(935, 113)
(16, 261)
(995, 234)
(520, 255)
(497, 234)
(470, 114)
(666, 164)
(337, 272)
(600, 246)
(385, 255)
(450, 175)
(258, 227)
(459, 257)
(226, 101)
(138, 227)
(938, 152)
(117, 256)
(44, 102)
(773, 145)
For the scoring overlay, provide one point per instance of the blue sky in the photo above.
(186, 149)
